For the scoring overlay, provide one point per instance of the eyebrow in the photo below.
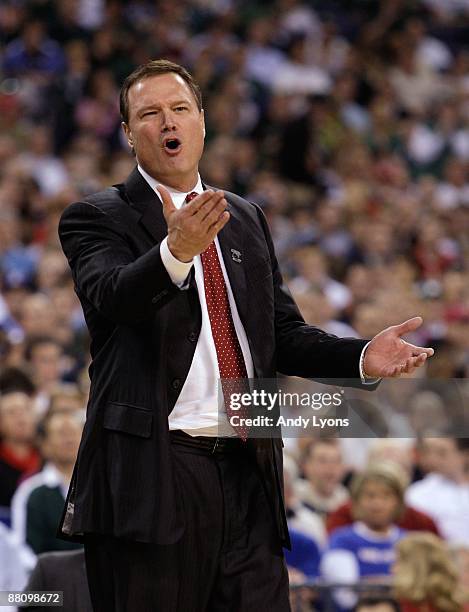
(152, 106)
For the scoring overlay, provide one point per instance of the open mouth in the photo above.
(172, 145)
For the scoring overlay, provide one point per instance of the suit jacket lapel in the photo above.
(142, 198)
(231, 239)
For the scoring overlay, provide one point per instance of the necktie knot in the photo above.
(190, 196)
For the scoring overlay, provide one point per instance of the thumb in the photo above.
(408, 326)
(168, 205)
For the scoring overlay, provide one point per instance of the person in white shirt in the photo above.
(38, 501)
(322, 490)
(444, 493)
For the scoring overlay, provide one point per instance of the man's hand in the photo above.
(192, 228)
(388, 355)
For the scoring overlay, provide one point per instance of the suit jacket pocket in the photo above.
(134, 420)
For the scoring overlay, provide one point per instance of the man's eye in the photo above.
(181, 108)
(149, 113)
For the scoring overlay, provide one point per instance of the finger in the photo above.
(194, 206)
(168, 204)
(399, 370)
(210, 206)
(414, 362)
(215, 214)
(216, 227)
(408, 326)
(418, 350)
(395, 371)
(420, 359)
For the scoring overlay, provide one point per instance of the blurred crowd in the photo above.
(348, 122)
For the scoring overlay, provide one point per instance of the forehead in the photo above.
(376, 486)
(321, 451)
(61, 419)
(159, 90)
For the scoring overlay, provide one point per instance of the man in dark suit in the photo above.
(180, 287)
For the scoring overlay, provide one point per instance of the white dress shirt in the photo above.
(197, 408)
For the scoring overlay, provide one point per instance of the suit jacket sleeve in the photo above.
(122, 287)
(305, 350)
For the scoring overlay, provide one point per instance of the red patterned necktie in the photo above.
(230, 357)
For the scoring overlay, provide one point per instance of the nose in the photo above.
(168, 124)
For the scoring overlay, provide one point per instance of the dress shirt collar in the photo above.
(178, 197)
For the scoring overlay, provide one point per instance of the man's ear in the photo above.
(203, 120)
(128, 134)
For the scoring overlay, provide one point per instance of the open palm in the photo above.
(388, 355)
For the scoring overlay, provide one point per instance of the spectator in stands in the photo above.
(44, 355)
(299, 516)
(365, 549)
(410, 519)
(321, 490)
(38, 502)
(33, 52)
(427, 451)
(444, 493)
(18, 455)
(17, 261)
(39, 162)
(37, 315)
(67, 397)
(425, 580)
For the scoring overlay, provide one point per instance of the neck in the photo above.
(458, 478)
(183, 186)
(183, 183)
(379, 530)
(45, 386)
(325, 493)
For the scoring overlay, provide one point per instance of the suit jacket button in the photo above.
(192, 337)
(176, 384)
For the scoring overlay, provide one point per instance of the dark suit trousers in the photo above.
(228, 560)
